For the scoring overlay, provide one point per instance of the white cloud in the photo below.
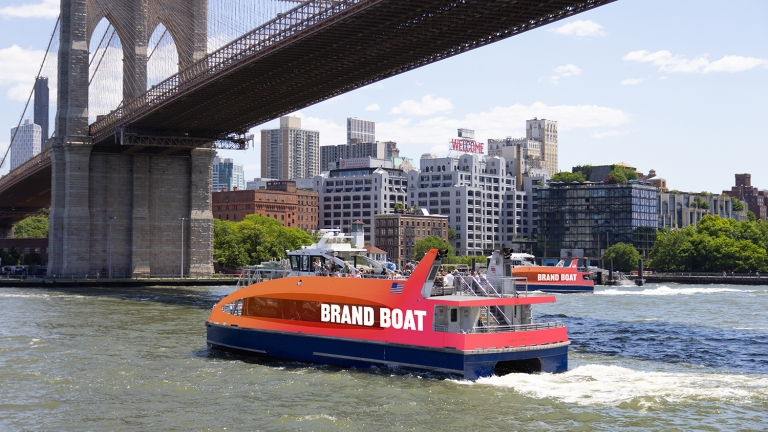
(566, 71)
(373, 107)
(580, 28)
(45, 9)
(735, 64)
(427, 106)
(667, 62)
(18, 64)
(330, 132)
(431, 134)
(632, 81)
(18, 68)
(610, 133)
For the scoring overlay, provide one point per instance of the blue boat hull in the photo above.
(365, 354)
(560, 288)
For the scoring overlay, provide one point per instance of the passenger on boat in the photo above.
(448, 279)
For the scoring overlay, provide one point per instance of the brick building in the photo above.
(397, 233)
(755, 200)
(26, 246)
(295, 208)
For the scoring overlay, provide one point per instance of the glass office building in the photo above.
(594, 216)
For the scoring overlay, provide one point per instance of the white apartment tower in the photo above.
(26, 144)
(545, 132)
(290, 152)
(369, 188)
(363, 131)
(479, 196)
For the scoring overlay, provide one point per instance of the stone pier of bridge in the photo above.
(126, 212)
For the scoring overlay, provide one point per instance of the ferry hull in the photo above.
(363, 354)
(559, 288)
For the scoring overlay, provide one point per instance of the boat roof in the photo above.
(330, 242)
(469, 301)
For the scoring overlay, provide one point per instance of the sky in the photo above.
(680, 87)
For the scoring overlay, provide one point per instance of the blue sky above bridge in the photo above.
(679, 87)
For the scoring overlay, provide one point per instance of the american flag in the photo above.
(397, 288)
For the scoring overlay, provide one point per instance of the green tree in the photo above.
(666, 252)
(11, 257)
(737, 205)
(699, 203)
(422, 246)
(33, 258)
(568, 177)
(228, 248)
(621, 175)
(585, 170)
(751, 216)
(253, 240)
(31, 227)
(452, 234)
(625, 257)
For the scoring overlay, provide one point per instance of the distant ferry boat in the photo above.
(563, 278)
(483, 327)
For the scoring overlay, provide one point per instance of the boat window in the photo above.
(433, 273)
(294, 262)
(454, 315)
(305, 263)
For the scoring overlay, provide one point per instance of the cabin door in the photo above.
(454, 321)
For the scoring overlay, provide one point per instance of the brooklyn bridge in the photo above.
(130, 176)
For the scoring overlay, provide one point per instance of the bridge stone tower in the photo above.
(122, 211)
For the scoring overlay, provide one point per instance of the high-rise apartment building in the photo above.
(479, 196)
(290, 152)
(358, 191)
(41, 110)
(26, 143)
(227, 175)
(595, 216)
(545, 132)
(528, 152)
(360, 130)
(357, 150)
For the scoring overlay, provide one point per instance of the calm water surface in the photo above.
(651, 358)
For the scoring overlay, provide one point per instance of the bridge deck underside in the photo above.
(375, 40)
(26, 191)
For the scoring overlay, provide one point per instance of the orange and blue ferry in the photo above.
(482, 327)
(565, 277)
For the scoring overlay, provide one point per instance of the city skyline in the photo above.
(619, 92)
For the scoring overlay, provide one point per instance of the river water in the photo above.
(659, 357)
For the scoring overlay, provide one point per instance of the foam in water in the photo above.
(613, 385)
(666, 291)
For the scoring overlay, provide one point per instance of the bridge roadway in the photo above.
(307, 55)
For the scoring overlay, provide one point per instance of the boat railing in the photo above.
(516, 327)
(490, 287)
(249, 276)
(495, 328)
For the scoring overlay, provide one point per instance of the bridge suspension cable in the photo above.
(31, 93)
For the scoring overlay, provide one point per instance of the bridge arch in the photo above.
(105, 71)
(162, 55)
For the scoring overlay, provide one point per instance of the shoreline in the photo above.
(116, 283)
